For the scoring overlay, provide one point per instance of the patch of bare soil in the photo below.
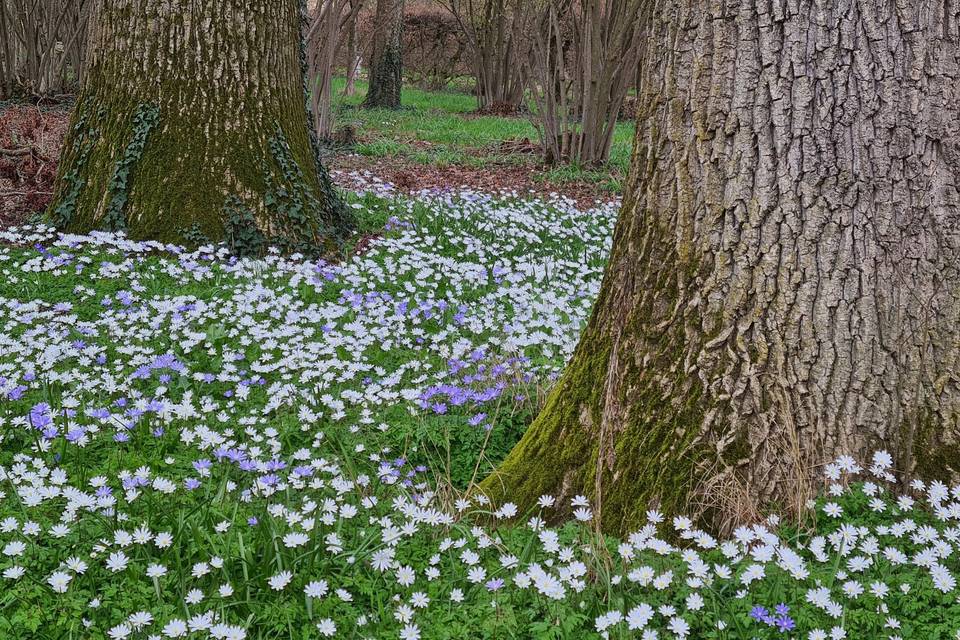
(523, 179)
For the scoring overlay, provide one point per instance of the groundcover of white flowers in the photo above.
(198, 446)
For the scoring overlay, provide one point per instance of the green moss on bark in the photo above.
(551, 453)
(177, 143)
(144, 120)
(934, 459)
(79, 143)
(655, 461)
(655, 408)
(654, 456)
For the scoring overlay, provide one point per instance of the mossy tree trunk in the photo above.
(386, 58)
(784, 283)
(191, 126)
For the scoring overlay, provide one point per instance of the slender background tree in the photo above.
(493, 30)
(42, 46)
(784, 284)
(580, 60)
(354, 59)
(330, 23)
(386, 58)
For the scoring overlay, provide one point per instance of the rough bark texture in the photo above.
(386, 67)
(783, 286)
(192, 126)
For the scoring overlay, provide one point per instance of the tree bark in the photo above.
(192, 127)
(386, 67)
(353, 60)
(8, 64)
(784, 283)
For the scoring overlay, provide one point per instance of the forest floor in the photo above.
(198, 445)
(195, 445)
(437, 140)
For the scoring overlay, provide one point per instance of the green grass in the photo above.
(606, 180)
(227, 530)
(438, 128)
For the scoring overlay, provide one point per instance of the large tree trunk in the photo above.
(784, 284)
(386, 68)
(192, 126)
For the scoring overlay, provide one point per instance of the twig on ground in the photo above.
(24, 151)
